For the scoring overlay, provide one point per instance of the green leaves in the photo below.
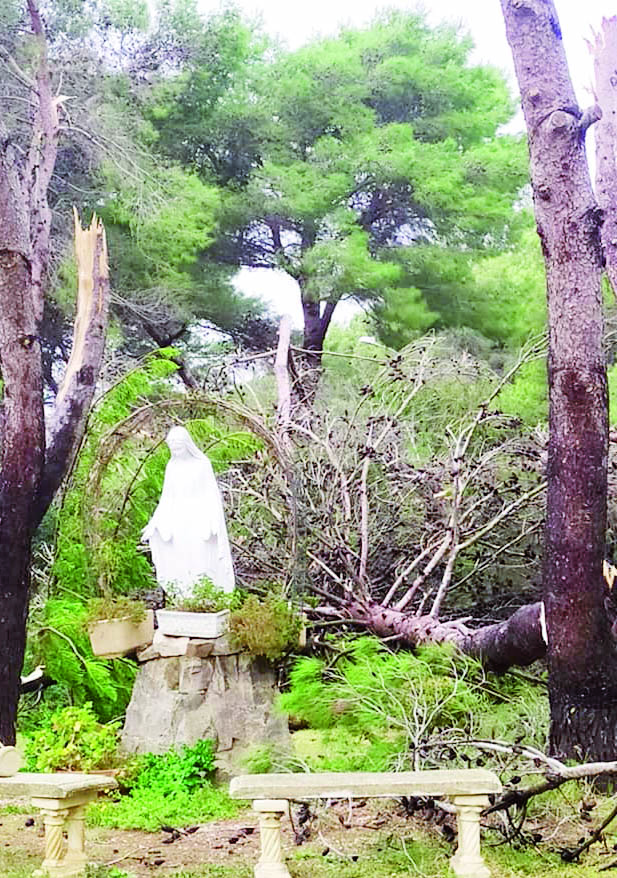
(394, 701)
(343, 265)
(73, 740)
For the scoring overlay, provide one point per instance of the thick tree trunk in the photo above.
(515, 641)
(314, 333)
(581, 651)
(23, 434)
(26, 487)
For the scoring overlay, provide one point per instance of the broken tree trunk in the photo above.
(581, 651)
(27, 484)
(517, 640)
(76, 392)
(23, 440)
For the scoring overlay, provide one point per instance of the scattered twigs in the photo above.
(283, 414)
(364, 512)
(593, 838)
(556, 773)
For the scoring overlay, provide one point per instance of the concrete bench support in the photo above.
(467, 862)
(62, 800)
(270, 812)
(467, 789)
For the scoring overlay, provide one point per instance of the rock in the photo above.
(225, 696)
(165, 646)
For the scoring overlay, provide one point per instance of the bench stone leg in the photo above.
(467, 862)
(54, 842)
(271, 863)
(63, 859)
(76, 837)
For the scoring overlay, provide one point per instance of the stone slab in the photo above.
(167, 646)
(59, 785)
(345, 785)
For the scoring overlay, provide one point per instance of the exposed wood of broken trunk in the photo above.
(77, 389)
(581, 651)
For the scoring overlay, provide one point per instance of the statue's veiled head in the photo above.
(180, 443)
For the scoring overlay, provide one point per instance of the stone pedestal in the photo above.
(190, 689)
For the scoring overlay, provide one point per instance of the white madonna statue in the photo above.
(187, 533)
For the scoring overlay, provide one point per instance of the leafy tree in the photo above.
(101, 58)
(378, 139)
(500, 295)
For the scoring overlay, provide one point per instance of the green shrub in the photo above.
(184, 769)
(73, 740)
(259, 759)
(119, 607)
(206, 597)
(381, 709)
(174, 788)
(148, 810)
(267, 628)
(370, 709)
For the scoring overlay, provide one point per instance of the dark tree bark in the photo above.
(316, 324)
(27, 484)
(515, 641)
(23, 441)
(581, 651)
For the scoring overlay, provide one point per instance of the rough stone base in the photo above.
(223, 695)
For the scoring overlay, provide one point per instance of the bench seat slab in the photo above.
(468, 790)
(357, 784)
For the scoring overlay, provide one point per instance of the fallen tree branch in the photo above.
(515, 641)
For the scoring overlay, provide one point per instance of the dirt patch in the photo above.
(337, 828)
(142, 853)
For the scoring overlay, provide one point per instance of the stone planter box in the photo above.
(178, 623)
(113, 638)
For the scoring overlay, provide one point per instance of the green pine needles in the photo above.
(380, 710)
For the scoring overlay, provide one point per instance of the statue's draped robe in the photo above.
(187, 533)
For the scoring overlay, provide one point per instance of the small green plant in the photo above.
(184, 769)
(93, 871)
(73, 740)
(173, 788)
(259, 759)
(267, 628)
(116, 607)
(206, 597)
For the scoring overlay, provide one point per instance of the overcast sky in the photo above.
(295, 23)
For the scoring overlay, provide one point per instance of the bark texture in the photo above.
(515, 641)
(604, 50)
(23, 440)
(581, 651)
(27, 485)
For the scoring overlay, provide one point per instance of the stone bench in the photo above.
(62, 798)
(467, 789)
